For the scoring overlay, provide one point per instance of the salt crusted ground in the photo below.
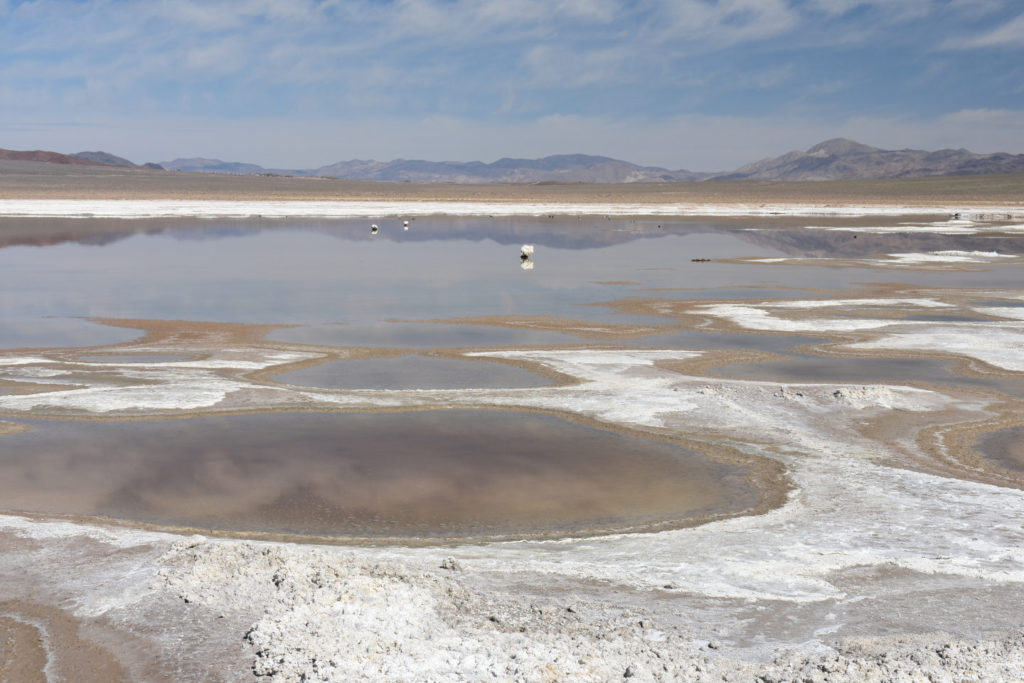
(968, 220)
(932, 260)
(875, 539)
(892, 558)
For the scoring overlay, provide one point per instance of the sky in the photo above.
(704, 85)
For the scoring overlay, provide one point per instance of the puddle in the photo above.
(413, 474)
(939, 318)
(808, 368)
(1004, 303)
(24, 332)
(1004, 447)
(417, 336)
(696, 339)
(413, 372)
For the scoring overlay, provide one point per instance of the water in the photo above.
(428, 474)
(419, 474)
(831, 369)
(342, 286)
(412, 372)
(1005, 448)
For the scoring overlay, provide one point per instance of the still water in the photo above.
(340, 285)
(424, 474)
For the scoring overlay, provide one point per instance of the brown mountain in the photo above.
(47, 157)
(842, 159)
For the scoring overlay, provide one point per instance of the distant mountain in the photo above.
(570, 168)
(104, 158)
(837, 159)
(46, 157)
(842, 159)
(217, 166)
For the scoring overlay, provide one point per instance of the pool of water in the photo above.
(413, 372)
(1004, 447)
(814, 369)
(25, 331)
(416, 474)
(386, 334)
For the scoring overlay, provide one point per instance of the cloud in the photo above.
(1009, 34)
(903, 10)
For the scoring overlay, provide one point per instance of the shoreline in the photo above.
(397, 208)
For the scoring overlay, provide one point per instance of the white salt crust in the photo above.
(903, 260)
(113, 208)
(391, 613)
(998, 343)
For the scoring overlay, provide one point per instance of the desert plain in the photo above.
(828, 376)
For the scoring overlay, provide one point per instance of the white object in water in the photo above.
(526, 250)
(373, 229)
(405, 225)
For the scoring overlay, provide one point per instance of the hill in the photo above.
(841, 159)
(46, 157)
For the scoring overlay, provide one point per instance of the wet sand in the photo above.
(41, 643)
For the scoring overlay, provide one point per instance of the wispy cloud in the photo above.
(1009, 34)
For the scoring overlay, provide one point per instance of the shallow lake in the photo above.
(343, 286)
(428, 474)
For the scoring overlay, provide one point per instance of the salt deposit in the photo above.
(112, 208)
(959, 227)
(597, 608)
(875, 536)
(930, 260)
(951, 256)
(998, 343)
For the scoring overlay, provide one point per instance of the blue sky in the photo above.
(697, 84)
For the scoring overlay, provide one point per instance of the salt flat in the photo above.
(883, 545)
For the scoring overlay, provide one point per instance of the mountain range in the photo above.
(842, 159)
(837, 159)
(574, 168)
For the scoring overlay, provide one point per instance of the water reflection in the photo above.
(808, 368)
(412, 372)
(429, 473)
(1005, 448)
(343, 286)
(417, 336)
(27, 332)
